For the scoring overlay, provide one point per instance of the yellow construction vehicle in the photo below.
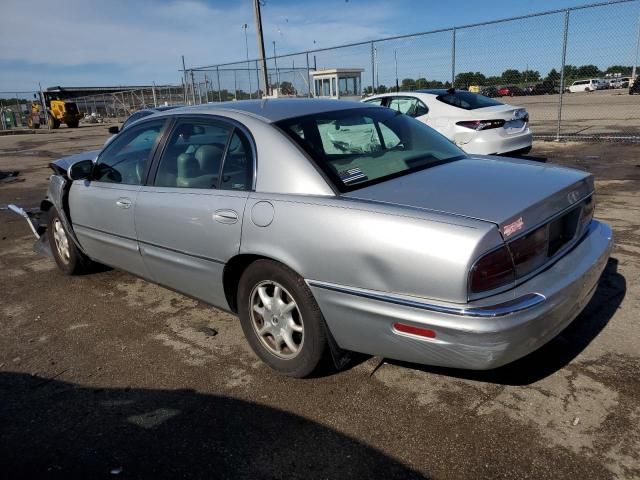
(62, 111)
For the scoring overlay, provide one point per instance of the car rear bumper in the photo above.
(495, 141)
(479, 335)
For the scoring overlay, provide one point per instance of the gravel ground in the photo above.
(106, 375)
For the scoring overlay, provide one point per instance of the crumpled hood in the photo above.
(65, 162)
(493, 189)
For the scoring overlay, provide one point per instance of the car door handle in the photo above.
(123, 202)
(225, 216)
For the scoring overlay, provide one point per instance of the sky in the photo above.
(137, 42)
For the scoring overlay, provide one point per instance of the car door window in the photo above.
(409, 105)
(193, 155)
(237, 170)
(125, 159)
(375, 101)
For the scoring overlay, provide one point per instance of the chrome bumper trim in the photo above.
(20, 211)
(524, 302)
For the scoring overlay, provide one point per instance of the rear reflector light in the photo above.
(493, 270)
(481, 124)
(411, 330)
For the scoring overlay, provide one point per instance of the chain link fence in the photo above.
(15, 108)
(119, 105)
(530, 61)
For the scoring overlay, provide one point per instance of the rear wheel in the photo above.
(52, 123)
(73, 124)
(68, 257)
(280, 318)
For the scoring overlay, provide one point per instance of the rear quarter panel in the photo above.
(368, 245)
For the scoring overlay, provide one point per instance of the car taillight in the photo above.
(493, 270)
(530, 251)
(587, 211)
(481, 124)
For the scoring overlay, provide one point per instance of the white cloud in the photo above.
(144, 39)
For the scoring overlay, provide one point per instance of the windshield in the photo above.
(363, 146)
(468, 100)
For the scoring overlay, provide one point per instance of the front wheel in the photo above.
(69, 258)
(280, 319)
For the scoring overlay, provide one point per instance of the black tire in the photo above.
(75, 262)
(36, 126)
(313, 336)
(73, 124)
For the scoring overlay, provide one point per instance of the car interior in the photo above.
(194, 156)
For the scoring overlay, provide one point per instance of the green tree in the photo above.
(621, 69)
(530, 76)
(553, 76)
(408, 84)
(588, 71)
(381, 89)
(422, 82)
(465, 79)
(287, 88)
(511, 76)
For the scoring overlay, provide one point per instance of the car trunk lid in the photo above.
(516, 195)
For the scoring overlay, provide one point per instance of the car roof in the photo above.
(275, 109)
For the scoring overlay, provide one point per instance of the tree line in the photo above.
(527, 77)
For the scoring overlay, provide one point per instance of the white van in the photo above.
(590, 85)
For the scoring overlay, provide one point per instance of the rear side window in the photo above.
(193, 155)
(237, 171)
(409, 106)
(467, 100)
(206, 155)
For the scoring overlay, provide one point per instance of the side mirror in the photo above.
(80, 170)
(113, 130)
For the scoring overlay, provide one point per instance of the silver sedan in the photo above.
(331, 226)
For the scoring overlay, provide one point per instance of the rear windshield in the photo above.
(467, 100)
(359, 147)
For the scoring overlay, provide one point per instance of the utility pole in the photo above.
(246, 45)
(184, 81)
(275, 62)
(635, 62)
(395, 54)
(261, 54)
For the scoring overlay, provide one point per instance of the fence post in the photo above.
(258, 80)
(564, 58)
(308, 77)
(193, 89)
(373, 69)
(453, 57)
(218, 76)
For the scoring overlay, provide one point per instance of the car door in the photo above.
(102, 208)
(189, 215)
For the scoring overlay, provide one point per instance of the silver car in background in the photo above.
(336, 226)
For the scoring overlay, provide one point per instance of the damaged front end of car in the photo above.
(56, 197)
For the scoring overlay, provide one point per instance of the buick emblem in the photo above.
(573, 197)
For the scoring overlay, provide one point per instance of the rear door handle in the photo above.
(123, 202)
(225, 216)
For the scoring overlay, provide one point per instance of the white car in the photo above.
(589, 85)
(477, 124)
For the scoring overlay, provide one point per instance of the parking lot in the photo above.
(106, 375)
(601, 113)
